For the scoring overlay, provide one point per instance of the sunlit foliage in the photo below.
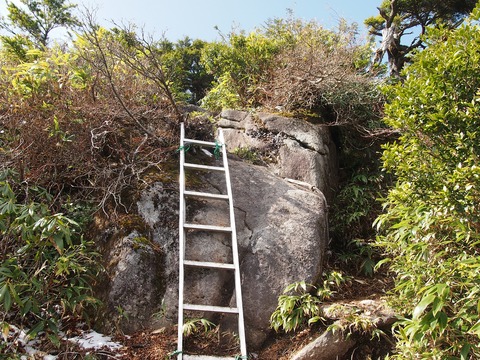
(431, 223)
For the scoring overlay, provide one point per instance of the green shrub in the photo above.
(46, 268)
(196, 326)
(296, 307)
(239, 67)
(431, 224)
(247, 154)
(354, 209)
(300, 302)
(354, 205)
(294, 65)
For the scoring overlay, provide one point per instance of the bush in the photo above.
(300, 303)
(320, 70)
(65, 130)
(47, 268)
(240, 66)
(431, 224)
(292, 65)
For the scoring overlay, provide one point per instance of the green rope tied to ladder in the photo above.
(216, 151)
(183, 148)
(218, 148)
(173, 353)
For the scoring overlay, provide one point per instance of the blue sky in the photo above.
(198, 18)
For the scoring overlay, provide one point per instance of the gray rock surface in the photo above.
(282, 234)
(328, 346)
(135, 282)
(304, 151)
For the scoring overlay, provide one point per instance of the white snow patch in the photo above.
(33, 353)
(90, 340)
(94, 340)
(29, 345)
(21, 335)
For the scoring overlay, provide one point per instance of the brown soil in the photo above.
(161, 346)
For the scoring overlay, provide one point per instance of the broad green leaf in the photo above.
(36, 329)
(55, 339)
(475, 329)
(27, 306)
(14, 294)
(442, 321)
(58, 238)
(7, 301)
(3, 291)
(465, 351)
(382, 262)
(422, 305)
(437, 305)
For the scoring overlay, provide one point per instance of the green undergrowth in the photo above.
(299, 305)
(430, 226)
(47, 267)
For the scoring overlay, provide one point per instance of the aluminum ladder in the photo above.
(184, 227)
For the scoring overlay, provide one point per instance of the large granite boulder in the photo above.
(282, 235)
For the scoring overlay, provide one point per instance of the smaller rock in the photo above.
(233, 115)
(328, 346)
(376, 311)
(301, 150)
(333, 345)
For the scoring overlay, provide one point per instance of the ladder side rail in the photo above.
(181, 244)
(236, 262)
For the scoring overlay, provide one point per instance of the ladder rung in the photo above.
(206, 357)
(203, 167)
(200, 142)
(206, 264)
(210, 308)
(205, 195)
(207, 227)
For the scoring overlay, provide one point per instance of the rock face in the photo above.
(133, 286)
(305, 151)
(287, 240)
(136, 268)
(282, 235)
(281, 229)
